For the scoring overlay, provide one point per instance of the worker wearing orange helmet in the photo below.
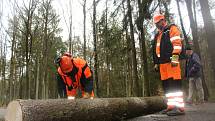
(166, 50)
(74, 74)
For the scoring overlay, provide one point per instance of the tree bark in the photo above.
(70, 29)
(142, 6)
(181, 22)
(95, 49)
(84, 12)
(209, 30)
(193, 26)
(134, 59)
(128, 64)
(107, 50)
(107, 109)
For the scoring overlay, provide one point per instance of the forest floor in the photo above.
(201, 112)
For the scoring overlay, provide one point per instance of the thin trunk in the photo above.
(45, 52)
(70, 29)
(143, 49)
(134, 59)
(95, 49)
(128, 52)
(21, 81)
(37, 79)
(3, 74)
(193, 26)
(12, 63)
(107, 50)
(167, 14)
(84, 12)
(194, 13)
(181, 22)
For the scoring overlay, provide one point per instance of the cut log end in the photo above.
(15, 112)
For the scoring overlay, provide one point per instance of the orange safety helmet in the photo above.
(158, 17)
(66, 64)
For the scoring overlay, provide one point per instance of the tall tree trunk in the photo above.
(37, 78)
(193, 26)
(143, 51)
(210, 31)
(84, 12)
(12, 61)
(206, 93)
(28, 42)
(107, 50)
(70, 29)
(21, 81)
(95, 48)
(27, 63)
(128, 52)
(181, 22)
(134, 59)
(167, 14)
(3, 73)
(194, 13)
(45, 51)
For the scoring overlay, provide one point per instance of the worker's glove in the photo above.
(156, 67)
(86, 95)
(71, 97)
(174, 60)
(70, 88)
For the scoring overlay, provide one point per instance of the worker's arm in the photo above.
(61, 86)
(176, 44)
(196, 63)
(87, 80)
(175, 40)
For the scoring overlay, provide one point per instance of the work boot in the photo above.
(175, 112)
(189, 103)
(164, 111)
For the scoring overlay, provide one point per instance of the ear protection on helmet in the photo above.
(58, 59)
(67, 54)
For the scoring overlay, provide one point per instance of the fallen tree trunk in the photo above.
(106, 109)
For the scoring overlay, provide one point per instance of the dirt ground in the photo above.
(203, 112)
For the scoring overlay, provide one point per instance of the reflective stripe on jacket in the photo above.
(79, 77)
(166, 43)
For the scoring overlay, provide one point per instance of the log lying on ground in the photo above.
(99, 109)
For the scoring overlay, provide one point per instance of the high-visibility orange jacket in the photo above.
(80, 77)
(166, 43)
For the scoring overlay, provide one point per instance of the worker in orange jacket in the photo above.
(74, 74)
(166, 50)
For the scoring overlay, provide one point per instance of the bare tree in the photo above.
(209, 30)
(134, 59)
(128, 85)
(13, 59)
(84, 23)
(95, 47)
(193, 25)
(27, 16)
(142, 14)
(181, 22)
(70, 28)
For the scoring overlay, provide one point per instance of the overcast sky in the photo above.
(62, 7)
